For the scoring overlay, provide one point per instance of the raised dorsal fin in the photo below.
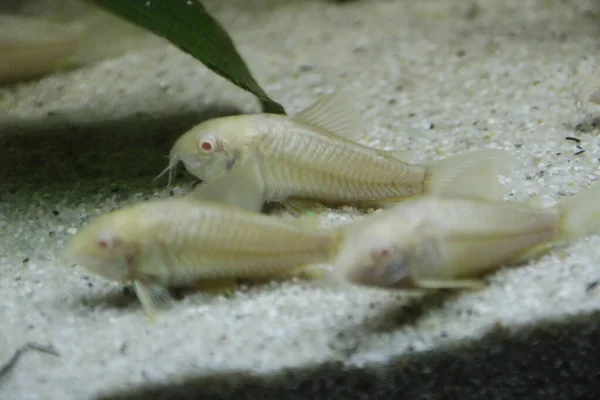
(333, 113)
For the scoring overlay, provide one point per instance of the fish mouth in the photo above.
(193, 166)
(88, 262)
(364, 275)
(100, 267)
(388, 274)
(190, 162)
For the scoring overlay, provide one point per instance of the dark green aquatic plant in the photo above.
(187, 25)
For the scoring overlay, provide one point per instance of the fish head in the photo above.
(103, 248)
(209, 150)
(381, 265)
(381, 253)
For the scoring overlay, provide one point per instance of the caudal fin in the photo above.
(33, 46)
(104, 35)
(473, 174)
(581, 213)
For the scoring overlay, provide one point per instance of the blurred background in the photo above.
(38, 36)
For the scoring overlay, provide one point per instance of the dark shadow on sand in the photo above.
(551, 360)
(57, 157)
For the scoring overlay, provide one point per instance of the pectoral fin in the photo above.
(223, 286)
(473, 284)
(300, 207)
(312, 272)
(531, 254)
(390, 202)
(149, 296)
(241, 187)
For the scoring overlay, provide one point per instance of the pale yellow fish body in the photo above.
(295, 159)
(247, 160)
(442, 240)
(178, 242)
(446, 242)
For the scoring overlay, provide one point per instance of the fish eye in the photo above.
(390, 264)
(379, 261)
(381, 254)
(207, 143)
(107, 241)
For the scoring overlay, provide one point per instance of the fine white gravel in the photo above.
(436, 77)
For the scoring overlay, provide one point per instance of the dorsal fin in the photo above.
(333, 113)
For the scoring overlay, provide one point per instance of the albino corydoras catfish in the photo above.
(449, 240)
(247, 160)
(181, 242)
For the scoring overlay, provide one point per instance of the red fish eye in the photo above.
(108, 242)
(383, 253)
(206, 146)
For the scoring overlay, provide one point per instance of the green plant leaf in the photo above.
(187, 25)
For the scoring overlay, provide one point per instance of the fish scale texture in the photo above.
(313, 164)
(434, 77)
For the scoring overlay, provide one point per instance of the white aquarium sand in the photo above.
(435, 77)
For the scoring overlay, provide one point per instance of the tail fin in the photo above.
(462, 174)
(106, 36)
(32, 46)
(581, 214)
(37, 45)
